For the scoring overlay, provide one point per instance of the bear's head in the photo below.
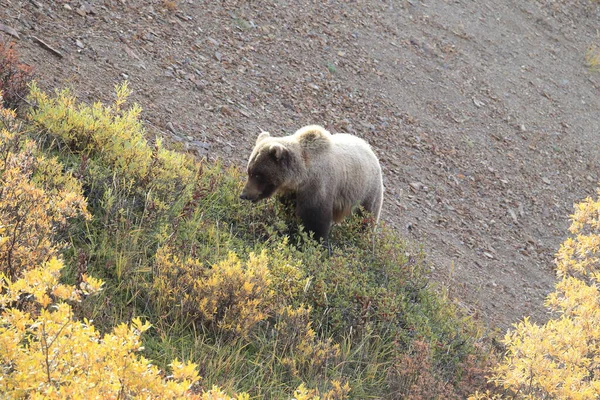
(269, 168)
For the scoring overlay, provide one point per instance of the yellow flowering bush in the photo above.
(338, 391)
(302, 351)
(52, 356)
(231, 296)
(561, 359)
(36, 199)
(87, 129)
(111, 145)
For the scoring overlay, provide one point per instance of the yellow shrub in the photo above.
(561, 359)
(338, 391)
(592, 58)
(217, 394)
(303, 353)
(36, 199)
(116, 135)
(288, 276)
(230, 295)
(52, 356)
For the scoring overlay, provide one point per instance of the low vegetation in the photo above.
(249, 304)
(561, 358)
(14, 77)
(592, 58)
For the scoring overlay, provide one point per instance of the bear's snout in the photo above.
(247, 195)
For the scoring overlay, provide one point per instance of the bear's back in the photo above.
(354, 149)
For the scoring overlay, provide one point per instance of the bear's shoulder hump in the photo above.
(313, 136)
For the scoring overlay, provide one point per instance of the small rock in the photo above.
(171, 128)
(513, 215)
(148, 36)
(478, 103)
(67, 7)
(546, 181)
(11, 31)
(218, 56)
(226, 111)
(86, 9)
(79, 44)
(416, 186)
(488, 255)
(344, 125)
(198, 143)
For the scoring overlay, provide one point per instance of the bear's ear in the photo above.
(278, 152)
(262, 136)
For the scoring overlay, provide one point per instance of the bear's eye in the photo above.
(257, 176)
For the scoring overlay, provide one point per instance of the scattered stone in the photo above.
(171, 128)
(11, 31)
(546, 181)
(416, 186)
(130, 52)
(478, 103)
(46, 46)
(199, 144)
(226, 111)
(513, 215)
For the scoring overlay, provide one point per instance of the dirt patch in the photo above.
(483, 113)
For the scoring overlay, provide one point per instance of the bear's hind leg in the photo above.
(373, 204)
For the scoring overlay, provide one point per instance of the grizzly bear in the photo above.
(327, 174)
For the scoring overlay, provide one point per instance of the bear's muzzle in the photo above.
(245, 195)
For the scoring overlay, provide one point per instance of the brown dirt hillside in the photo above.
(484, 114)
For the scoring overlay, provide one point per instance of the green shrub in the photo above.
(236, 287)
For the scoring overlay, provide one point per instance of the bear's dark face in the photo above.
(265, 174)
(258, 187)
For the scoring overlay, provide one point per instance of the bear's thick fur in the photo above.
(328, 175)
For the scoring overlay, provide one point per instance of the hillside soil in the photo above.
(483, 113)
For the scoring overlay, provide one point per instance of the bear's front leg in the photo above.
(316, 216)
